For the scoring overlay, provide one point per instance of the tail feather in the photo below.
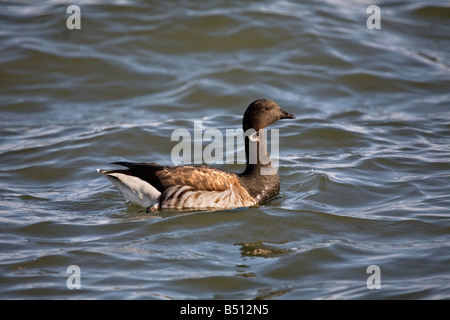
(144, 171)
(133, 188)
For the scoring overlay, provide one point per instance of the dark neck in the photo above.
(260, 178)
(258, 158)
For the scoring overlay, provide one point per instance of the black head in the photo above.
(262, 112)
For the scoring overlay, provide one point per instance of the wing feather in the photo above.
(199, 178)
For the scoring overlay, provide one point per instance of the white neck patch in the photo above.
(254, 137)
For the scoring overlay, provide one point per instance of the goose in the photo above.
(157, 187)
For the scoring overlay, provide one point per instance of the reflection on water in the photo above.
(260, 249)
(364, 168)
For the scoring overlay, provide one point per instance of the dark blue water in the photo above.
(364, 168)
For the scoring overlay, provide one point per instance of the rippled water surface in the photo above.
(364, 169)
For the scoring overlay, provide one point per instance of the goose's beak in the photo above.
(286, 115)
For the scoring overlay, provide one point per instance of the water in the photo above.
(364, 168)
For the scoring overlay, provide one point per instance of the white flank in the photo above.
(134, 189)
